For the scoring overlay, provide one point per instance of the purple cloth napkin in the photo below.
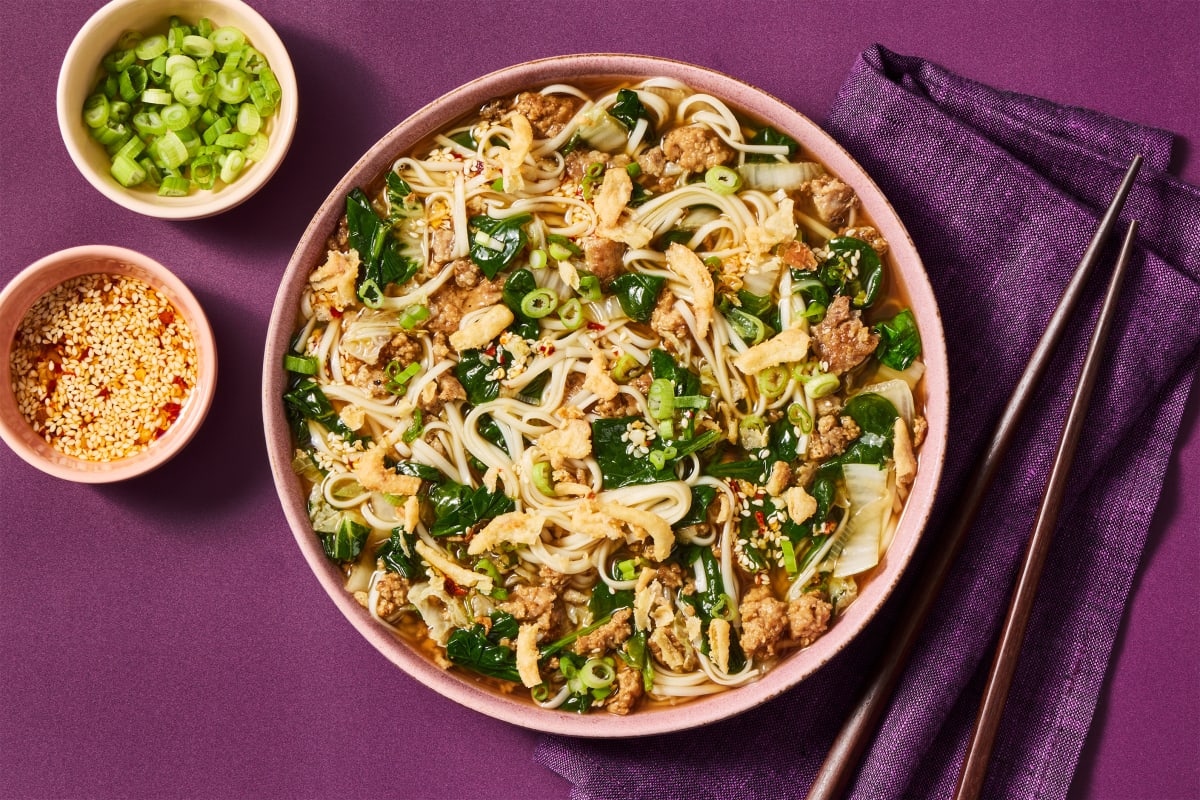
(1001, 193)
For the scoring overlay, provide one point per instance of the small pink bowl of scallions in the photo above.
(179, 116)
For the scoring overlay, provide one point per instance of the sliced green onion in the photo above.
(157, 97)
(119, 110)
(571, 314)
(537, 259)
(132, 83)
(197, 46)
(95, 111)
(772, 381)
(175, 117)
(264, 99)
(789, 555)
(589, 288)
(660, 401)
(151, 47)
(168, 151)
(634, 169)
(722, 180)
(798, 415)
(227, 38)
(153, 176)
(234, 161)
(666, 429)
(233, 139)
(658, 459)
(397, 377)
(627, 569)
(257, 149)
(415, 430)
(204, 27)
(174, 186)
(558, 252)
(248, 120)
(540, 693)
(118, 61)
(486, 567)
(597, 673)
(413, 316)
(131, 149)
(713, 262)
(178, 62)
(232, 86)
(542, 478)
(821, 384)
(303, 365)
(203, 171)
(691, 401)
(724, 608)
(625, 368)
(214, 131)
(753, 422)
(539, 303)
(127, 171)
(594, 172)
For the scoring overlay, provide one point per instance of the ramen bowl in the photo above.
(110, 339)
(907, 271)
(77, 80)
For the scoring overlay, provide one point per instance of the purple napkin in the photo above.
(1001, 193)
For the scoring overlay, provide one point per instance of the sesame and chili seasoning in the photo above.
(102, 366)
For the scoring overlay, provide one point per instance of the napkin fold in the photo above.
(1001, 193)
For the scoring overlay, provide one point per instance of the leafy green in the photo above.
(876, 416)
(771, 136)
(861, 281)
(472, 371)
(783, 442)
(399, 553)
(508, 232)
(629, 109)
(418, 470)
(663, 365)
(739, 470)
(458, 507)
(899, 340)
(307, 401)
(346, 543)
(479, 649)
(380, 260)
(399, 204)
(605, 601)
(559, 645)
(637, 293)
(520, 283)
(637, 655)
(490, 429)
(755, 304)
(673, 236)
(713, 601)
(618, 467)
(697, 513)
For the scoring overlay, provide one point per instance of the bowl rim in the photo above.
(196, 205)
(48, 272)
(749, 99)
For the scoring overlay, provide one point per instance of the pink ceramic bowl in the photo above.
(41, 277)
(909, 272)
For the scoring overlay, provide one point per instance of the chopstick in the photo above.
(991, 709)
(858, 730)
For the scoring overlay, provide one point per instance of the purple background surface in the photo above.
(164, 637)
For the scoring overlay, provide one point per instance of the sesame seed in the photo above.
(102, 366)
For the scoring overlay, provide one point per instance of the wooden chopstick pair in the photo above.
(858, 730)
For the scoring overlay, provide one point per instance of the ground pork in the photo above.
(831, 436)
(670, 576)
(869, 235)
(841, 340)
(808, 618)
(576, 163)
(444, 389)
(653, 164)
(696, 148)
(393, 595)
(629, 687)
(833, 199)
(608, 636)
(798, 255)
(623, 405)
(449, 304)
(763, 621)
(547, 114)
(666, 320)
(441, 246)
(538, 602)
(603, 258)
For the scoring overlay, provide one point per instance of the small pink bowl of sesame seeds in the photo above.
(107, 364)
